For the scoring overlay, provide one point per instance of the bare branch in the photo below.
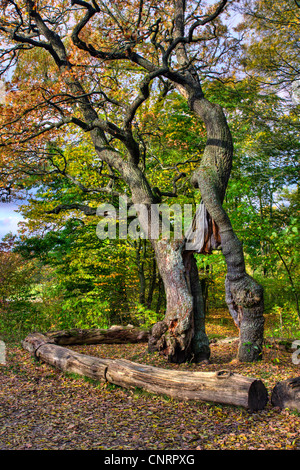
(55, 125)
(91, 11)
(86, 190)
(87, 210)
(180, 38)
(207, 19)
(55, 45)
(143, 95)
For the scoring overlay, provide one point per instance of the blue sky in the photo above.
(9, 218)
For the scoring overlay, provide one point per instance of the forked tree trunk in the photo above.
(200, 342)
(181, 336)
(244, 295)
(183, 327)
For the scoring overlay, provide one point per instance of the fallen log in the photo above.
(222, 386)
(113, 335)
(65, 359)
(219, 387)
(286, 394)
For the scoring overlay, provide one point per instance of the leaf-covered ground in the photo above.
(42, 408)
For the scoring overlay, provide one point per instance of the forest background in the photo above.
(56, 273)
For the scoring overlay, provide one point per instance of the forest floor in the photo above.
(45, 409)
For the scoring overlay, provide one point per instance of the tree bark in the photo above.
(181, 336)
(152, 284)
(286, 394)
(113, 335)
(161, 293)
(219, 387)
(244, 295)
(200, 342)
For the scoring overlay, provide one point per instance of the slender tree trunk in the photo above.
(141, 272)
(221, 386)
(200, 342)
(204, 285)
(173, 337)
(244, 295)
(152, 283)
(160, 295)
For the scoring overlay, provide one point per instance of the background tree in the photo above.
(19, 298)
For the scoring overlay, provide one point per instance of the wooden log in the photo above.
(65, 359)
(286, 394)
(220, 387)
(113, 335)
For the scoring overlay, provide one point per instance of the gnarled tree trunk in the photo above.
(243, 294)
(181, 335)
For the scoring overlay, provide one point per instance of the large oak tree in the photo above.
(101, 61)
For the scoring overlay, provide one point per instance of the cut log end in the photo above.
(286, 394)
(258, 396)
